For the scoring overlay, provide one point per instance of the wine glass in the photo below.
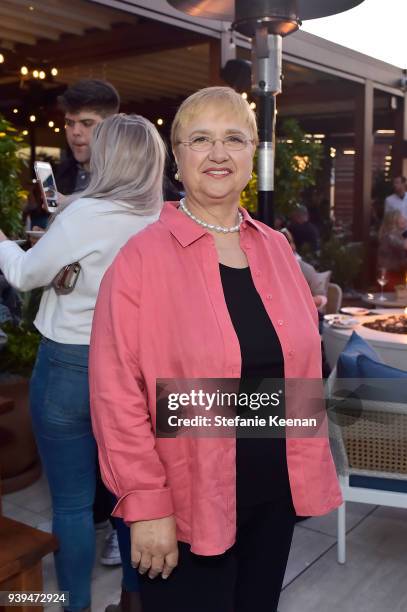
(382, 281)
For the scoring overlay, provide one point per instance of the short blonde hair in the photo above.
(224, 99)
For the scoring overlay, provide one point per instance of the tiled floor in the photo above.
(374, 578)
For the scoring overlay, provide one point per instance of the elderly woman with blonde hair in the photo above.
(206, 293)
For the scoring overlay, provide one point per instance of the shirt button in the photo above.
(280, 322)
(268, 296)
(291, 353)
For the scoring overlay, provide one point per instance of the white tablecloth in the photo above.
(392, 348)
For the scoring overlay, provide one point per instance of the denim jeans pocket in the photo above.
(67, 395)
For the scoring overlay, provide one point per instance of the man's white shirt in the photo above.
(394, 202)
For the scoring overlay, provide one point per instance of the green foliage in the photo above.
(341, 256)
(11, 193)
(297, 163)
(18, 355)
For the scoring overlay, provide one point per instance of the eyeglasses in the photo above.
(204, 143)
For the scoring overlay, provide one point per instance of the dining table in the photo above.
(391, 347)
(391, 300)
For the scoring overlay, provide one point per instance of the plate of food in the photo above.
(341, 321)
(355, 312)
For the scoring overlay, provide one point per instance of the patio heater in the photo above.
(266, 22)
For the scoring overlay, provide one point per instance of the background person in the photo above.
(123, 197)
(392, 251)
(304, 232)
(85, 104)
(398, 199)
(206, 292)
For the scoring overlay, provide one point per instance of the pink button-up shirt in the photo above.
(161, 313)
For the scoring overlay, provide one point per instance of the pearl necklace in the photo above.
(215, 228)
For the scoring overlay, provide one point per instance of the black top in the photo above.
(261, 465)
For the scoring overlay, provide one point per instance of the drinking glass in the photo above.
(382, 281)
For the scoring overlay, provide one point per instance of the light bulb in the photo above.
(160, 121)
(36, 74)
(33, 118)
(42, 74)
(51, 124)
(24, 70)
(54, 71)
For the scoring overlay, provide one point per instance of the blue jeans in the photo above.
(59, 397)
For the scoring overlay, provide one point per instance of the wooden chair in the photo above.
(22, 549)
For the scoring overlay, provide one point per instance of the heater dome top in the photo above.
(224, 10)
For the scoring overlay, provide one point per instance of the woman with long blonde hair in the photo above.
(123, 197)
(392, 251)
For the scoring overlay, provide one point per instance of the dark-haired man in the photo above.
(398, 199)
(85, 104)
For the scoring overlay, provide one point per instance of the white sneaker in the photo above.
(111, 553)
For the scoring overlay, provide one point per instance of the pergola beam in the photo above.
(363, 162)
(41, 18)
(399, 165)
(121, 41)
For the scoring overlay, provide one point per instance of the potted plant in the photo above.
(18, 454)
(297, 162)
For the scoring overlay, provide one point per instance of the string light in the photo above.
(57, 130)
(33, 118)
(244, 95)
(160, 121)
(25, 132)
(1, 58)
(51, 124)
(24, 70)
(42, 74)
(253, 105)
(36, 74)
(15, 111)
(54, 71)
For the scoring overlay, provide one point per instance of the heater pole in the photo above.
(266, 84)
(266, 105)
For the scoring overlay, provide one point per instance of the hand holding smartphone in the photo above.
(46, 181)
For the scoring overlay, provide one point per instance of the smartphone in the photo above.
(46, 180)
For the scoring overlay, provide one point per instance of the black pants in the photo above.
(246, 578)
(104, 501)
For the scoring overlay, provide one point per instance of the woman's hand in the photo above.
(154, 547)
(320, 301)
